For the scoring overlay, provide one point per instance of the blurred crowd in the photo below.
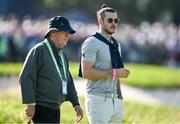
(155, 43)
(151, 43)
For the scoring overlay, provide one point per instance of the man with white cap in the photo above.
(45, 78)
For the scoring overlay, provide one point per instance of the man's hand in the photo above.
(79, 113)
(122, 73)
(30, 111)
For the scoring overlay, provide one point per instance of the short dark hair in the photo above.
(104, 8)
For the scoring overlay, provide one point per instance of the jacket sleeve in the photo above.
(72, 94)
(28, 76)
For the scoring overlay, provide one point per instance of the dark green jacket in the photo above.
(39, 79)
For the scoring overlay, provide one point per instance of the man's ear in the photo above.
(100, 21)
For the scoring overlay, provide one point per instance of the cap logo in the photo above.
(61, 24)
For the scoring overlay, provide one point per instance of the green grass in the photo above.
(10, 69)
(12, 111)
(150, 76)
(153, 76)
(138, 113)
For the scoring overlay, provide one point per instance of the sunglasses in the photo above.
(110, 20)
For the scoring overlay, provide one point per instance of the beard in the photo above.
(108, 31)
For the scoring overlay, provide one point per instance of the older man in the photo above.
(45, 78)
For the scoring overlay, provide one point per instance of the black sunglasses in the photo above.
(110, 20)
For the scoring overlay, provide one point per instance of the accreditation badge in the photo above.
(64, 87)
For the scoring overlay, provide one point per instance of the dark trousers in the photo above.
(46, 115)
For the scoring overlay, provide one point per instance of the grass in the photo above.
(9, 69)
(138, 113)
(150, 76)
(12, 111)
(153, 76)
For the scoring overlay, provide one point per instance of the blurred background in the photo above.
(149, 30)
(149, 33)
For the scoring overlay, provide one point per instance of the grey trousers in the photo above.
(102, 110)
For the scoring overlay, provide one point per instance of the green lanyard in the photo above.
(55, 62)
(64, 67)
